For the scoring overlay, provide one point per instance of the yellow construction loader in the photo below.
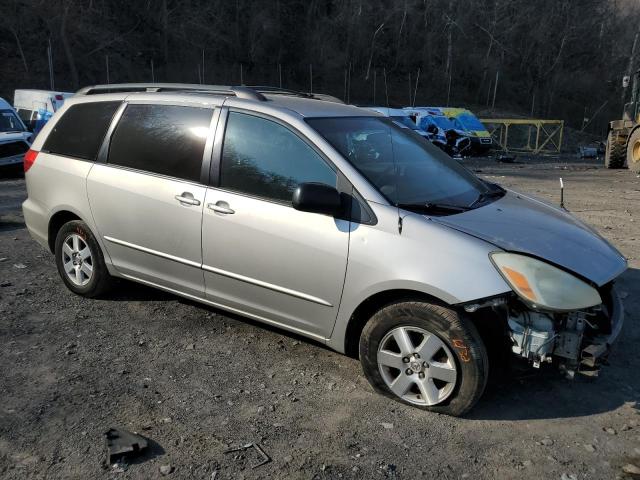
(623, 139)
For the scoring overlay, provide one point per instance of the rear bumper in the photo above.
(13, 160)
(37, 221)
(481, 144)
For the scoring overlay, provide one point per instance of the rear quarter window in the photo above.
(81, 130)
(164, 139)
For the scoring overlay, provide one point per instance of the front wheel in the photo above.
(425, 355)
(79, 260)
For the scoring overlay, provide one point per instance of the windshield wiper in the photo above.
(495, 192)
(433, 207)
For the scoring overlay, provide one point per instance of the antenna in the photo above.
(561, 194)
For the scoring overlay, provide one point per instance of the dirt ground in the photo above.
(197, 381)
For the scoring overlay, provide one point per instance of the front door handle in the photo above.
(221, 207)
(187, 198)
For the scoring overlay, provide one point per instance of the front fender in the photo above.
(426, 257)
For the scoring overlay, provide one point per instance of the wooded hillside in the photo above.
(558, 58)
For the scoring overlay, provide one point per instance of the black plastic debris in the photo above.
(506, 158)
(123, 445)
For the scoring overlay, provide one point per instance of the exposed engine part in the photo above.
(491, 302)
(575, 339)
(569, 339)
(533, 336)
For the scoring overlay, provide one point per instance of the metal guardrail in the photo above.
(533, 135)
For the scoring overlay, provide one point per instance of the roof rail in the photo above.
(240, 92)
(246, 92)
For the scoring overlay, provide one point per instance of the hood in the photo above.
(517, 223)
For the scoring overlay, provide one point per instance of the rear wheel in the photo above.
(424, 355)
(79, 260)
(615, 153)
(633, 151)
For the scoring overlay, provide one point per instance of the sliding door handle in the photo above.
(221, 207)
(187, 198)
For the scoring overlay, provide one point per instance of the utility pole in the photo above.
(533, 104)
(386, 91)
(415, 92)
(153, 75)
(280, 74)
(106, 59)
(50, 59)
(495, 90)
(344, 96)
(375, 74)
(349, 84)
(310, 78)
(203, 66)
(241, 75)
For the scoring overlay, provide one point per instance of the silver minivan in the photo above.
(325, 220)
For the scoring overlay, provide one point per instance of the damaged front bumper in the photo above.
(578, 342)
(594, 354)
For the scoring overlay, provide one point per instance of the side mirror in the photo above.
(317, 198)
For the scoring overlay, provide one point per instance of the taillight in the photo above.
(59, 97)
(29, 159)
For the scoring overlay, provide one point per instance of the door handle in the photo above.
(187, 198)
(221, 207)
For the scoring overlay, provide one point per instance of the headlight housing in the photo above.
(544, 286)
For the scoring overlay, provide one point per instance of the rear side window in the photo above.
(164, 139)
(80, 131)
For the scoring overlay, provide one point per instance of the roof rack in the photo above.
(246, 92)
(240, 92)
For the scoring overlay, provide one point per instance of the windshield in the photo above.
(470, 123)
(406, 122)
(399, 163)
(9, 122)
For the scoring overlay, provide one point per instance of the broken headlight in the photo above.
(543, 286)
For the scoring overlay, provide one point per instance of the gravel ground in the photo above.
(198, 381)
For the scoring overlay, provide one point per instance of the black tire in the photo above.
(100, 281)
(457, 333)
(633, 151)
(615, 152)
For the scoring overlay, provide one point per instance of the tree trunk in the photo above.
(20, 50)
(73, 71)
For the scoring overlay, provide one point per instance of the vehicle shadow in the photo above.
(126, 290)
(516, 394)
(9, 225)
(545, 394)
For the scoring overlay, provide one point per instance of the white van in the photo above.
(35, 107)
(14, 136)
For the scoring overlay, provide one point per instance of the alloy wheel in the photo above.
(417, 365)
(77, 260)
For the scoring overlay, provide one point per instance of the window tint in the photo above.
(263, 158)
(9, 122)
(164, 139)
(80, 131)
